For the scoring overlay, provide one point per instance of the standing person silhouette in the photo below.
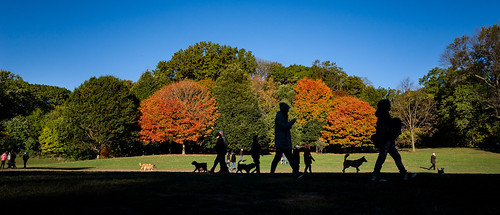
(255, 151)
(387, 131)
(221, 149)
(25, 158)
(283, 139)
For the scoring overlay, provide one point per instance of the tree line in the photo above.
(179, 106)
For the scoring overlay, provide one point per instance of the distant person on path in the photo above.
(220, 148)
(241, 155)
(4, 158)
(283, 159)
(233, 161)
(9, 164)
(283, 139)
(25, 158)
(433, 161)
(308, 158)
(228, 159)
(13, 160)
(387, 131)
(255, 151)
(296, 155)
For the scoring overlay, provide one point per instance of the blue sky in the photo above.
(64, 43)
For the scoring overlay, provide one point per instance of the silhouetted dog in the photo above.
(201, 167)
(441, 171)
(246, 167)
(353, 163)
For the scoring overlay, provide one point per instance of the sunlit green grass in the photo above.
(454, 160)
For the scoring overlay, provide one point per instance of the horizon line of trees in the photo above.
(179, 106)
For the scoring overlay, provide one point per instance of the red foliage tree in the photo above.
(312, 100)
(179, 112)
(350, 123)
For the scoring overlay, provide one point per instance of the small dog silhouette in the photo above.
(201, 167)
(441, 171)
(353, 163)
(246, 167)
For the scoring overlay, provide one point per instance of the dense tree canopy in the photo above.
(350, 123)
(204, 60)
(103, 116)
(240, 116)
(145, 86)
(313, 100)
(179, 112)
(15, 96)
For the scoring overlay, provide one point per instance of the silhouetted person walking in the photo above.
(433, 161)
(255, 151)
(283, 138)
(221, 149)
(387, 131)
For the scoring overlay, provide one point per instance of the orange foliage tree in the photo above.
(312, 100)
(179, 112)
(350, 123)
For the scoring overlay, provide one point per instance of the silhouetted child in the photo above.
(308, 158)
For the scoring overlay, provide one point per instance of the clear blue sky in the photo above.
(63, 43)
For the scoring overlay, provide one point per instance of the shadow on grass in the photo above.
(89, 192)
(59, 168)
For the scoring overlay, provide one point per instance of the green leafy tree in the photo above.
(476, 61)
(103, 116)
(333, 75)
(48, 97)
(240, 116)
(15, 96)
(54, 133)
(145, 86)
(373, 96)
(204, 60)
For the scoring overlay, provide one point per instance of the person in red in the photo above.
(4, 158)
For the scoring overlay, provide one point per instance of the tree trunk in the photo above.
(183, 149)
(412, 140)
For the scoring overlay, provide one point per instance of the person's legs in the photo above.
(216, 161)
(223, 166)
(382, 155)
(257, 165)
(293, 163)
(276, 160)
(397, 159)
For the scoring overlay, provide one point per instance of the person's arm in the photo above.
(282, 124)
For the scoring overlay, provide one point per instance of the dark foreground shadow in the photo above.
(91, 192)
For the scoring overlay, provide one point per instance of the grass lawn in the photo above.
(470, 186)
(454, 160)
